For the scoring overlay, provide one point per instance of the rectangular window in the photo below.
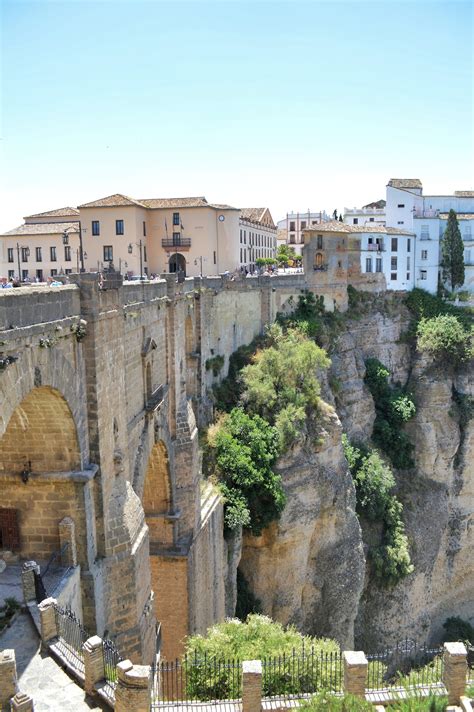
(368, 264)
(423, 274)
(245, 237)
(424, 254)
(303, 224)
(39, 274)
(400, 222)
(215, 260)
(241, 237)
(292, 239)
(240, 254)
(54, 272)
(52, 254)
(355, 221)
(408, 263)
(371, 219)
(24, 274)
(401, 205)
(68, 271)
(95, 228)
(67, 253)
(176, 220)
(467, 232)
(11, 257)
(394, 244)
(38, 254)
(409, 245)
(319, 242)
(119, 227)
(393, 263)
(393, 276)
(176, 238)
(378, 264)
(425, 232)
(408, 276)
(144, 254)
(11, 274)
(292, 226)
(25, 252)
(108, 253)
(144, 229)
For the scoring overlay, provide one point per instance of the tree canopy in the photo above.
(452, 253)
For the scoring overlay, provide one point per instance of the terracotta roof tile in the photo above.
(464, 193)
(113, 201)
(405, 183)
(460, 216)
(199, 202)
(336, 226)
(58, 213)
(43, 228)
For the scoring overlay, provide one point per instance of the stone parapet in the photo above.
(133, 689)
(28, 571)
(455, 671)
(49, 629)
(67, 539)
(94, 669)
(355, 672)
(8, 679)
(251, 686)
(22, 702)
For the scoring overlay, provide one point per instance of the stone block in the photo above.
(251, 686)
(355, 672)
(48, 620)
(28, 571)
(8, 678)
(133, 689)
(22, 702)
(455, 671)
(94, 669)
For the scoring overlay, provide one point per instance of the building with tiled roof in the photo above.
(290, 229)
(370, 213)
(405, 183)
(117, 200)
(257, 237)
(53, 215)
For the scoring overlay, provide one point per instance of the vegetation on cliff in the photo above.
(374, 483)
(394, 406)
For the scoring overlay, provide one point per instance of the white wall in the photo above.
(402, 252)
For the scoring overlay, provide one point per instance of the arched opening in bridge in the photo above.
(39, 442)
(177, 263)
(157, 489)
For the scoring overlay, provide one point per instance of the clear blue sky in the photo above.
(286, 104)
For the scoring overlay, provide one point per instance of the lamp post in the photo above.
(130, 250)
(27, 254)
(82, 255)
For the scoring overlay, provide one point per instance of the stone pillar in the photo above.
(455, 671)
(8, 681)
(22, 702)
(133, 691)
(48, 620)
(94, 669)
(355, 672)
(28, 580)
(251, 686)
(67, 535)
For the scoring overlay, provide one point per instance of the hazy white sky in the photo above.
(284, 104)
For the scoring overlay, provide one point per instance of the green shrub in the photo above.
(245, 448)
(393, 407)
(227, 393)
(259, 638)
(215, 364)
(444, 338)
(419, 704)
(327, 702)
(374, 482)
(458, 629)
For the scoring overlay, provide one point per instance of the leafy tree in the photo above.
(285, 255)
(452, 253)
(445, 338)
(244, 448)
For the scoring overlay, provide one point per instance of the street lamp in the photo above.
(130, 250)
(201, 260)
(26, 254)
(81, 251)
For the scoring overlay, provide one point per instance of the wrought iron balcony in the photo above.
(170, 242)
(376, 248)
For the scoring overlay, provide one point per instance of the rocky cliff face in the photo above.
(309, 568)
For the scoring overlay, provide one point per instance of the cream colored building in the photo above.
(257, 237)
(37, 249)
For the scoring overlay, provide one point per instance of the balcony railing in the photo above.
(376, 248)
(175, 242)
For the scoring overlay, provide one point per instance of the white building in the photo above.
(257, 238)
(290, 229)
(426, 215)
(388, 250)
(373, 213)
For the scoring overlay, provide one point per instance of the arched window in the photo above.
(318, 261)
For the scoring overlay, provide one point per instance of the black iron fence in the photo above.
(302, 673)
(71, 636)
(406, 664)
(112, 658)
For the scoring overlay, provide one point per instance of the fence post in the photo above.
(22, 702)
(355, 672)
(94, 669)
(67, 535)
(49, 628)
(455, 671)
(28, 580)
(251, 686)
(8, 679)
(133, 691)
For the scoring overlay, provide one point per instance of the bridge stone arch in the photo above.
(158, 499)
(62, 373)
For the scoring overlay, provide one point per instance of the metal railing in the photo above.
(405, 665)
(175, 242)
(301, 673)
(112, 658)
(71, 636)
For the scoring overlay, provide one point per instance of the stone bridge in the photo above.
(103, 386)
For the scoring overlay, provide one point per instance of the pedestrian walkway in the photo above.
(40, 675)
